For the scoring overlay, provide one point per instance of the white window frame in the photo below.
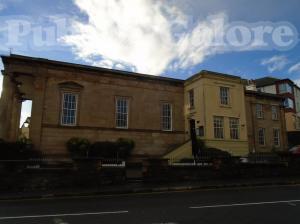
(163, 117)
(123, 113)
(263, 137)
(63, 108)
(274, 111)
(276, 139)
(234, 126)
(218, 124)
(224, 95)
(259, 110)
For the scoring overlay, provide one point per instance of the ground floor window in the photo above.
(234, 128)
(166, 117)
(218, 127)
(261, 136)
(276, 137)
(69, 109)
(122, 112)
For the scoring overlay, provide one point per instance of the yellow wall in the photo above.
(207, 105)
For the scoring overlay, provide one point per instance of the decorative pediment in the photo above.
(70, 85)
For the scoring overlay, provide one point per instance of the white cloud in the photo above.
(275, 63)
(297, 82)
(295, 68)
(146, 36)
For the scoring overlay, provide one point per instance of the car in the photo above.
(295, 149)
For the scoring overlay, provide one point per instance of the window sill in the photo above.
(225, 106)
(121, 128)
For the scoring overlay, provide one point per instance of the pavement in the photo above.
(264, 204)
(141, 187)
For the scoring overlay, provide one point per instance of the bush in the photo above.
(125, 147)
(78, 147)
(119, 149)
(20, 150)
(104, 149)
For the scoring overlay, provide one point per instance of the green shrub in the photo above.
(78, 147)
(22, 149)
(106, 149)
(125, 147)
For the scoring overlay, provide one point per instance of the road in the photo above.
(235, 206)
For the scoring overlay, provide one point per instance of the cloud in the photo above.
(297, 82)
(145, 35)
(295, 68)
(275, 63)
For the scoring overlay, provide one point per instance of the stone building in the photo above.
(291, 93)
(158, 113)
(266, 122)
(70, 100)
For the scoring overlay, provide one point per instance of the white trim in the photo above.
(171, 117)
(62, 109)
(116, 112)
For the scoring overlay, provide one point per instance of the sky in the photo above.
(173, 38)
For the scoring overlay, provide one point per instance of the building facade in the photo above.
(266, 122)
(217, 111)
(158, 113)
(98, 104)
(290, 91)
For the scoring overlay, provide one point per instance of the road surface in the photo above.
(235, 206)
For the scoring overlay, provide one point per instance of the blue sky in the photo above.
(152, 37)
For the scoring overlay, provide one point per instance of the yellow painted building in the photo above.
(215, 103)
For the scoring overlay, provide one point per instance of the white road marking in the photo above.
(62, 215)
(246, 204)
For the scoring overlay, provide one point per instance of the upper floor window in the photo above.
(166, 117)
(224, 95)
(274, 112)
(191, 98)
(261, 136)
(122, 112)
(69, 109)
(276, 137)
(218, 127)
(285, 88)
(288, 103)
(234, 128)
(259, 111)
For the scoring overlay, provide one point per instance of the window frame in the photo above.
(264, 136)
(191, 96)
(275, 116)
(236, 134)
(170, 117)
(259, 113)
(222, 97)
(218, 129)
(127, 112)
(278, 140)
(62, 108)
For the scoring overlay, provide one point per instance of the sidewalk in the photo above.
(139, 187)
